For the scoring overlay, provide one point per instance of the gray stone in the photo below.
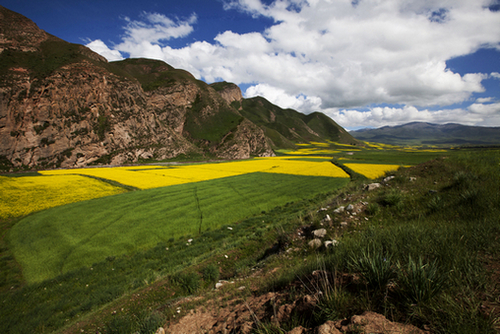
(329, 243)
(387, 179)
(350, 207)
(340, 209)
(372, 186)
(315, 243)
(327, 219)
(320, 233)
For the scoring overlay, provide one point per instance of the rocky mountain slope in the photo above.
(62, 105)
(431, 134)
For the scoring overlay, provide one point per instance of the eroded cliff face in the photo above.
(81, 110)
(230, 93)
(82, 114)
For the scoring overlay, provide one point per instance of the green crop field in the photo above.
(73, 263)
(64, 238)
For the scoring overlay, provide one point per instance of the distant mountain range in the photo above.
(420, 133)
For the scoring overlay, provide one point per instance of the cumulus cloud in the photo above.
(145, 37)
(279, 97)
(337, 55)
(102, 49)
(482, 114)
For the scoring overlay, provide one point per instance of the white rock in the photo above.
(387, 179)
(332, 243)
(315, 243)
(340, 209)
(327, 218)
(320, 233)
(372, 186)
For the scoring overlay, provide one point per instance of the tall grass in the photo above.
(419, 257)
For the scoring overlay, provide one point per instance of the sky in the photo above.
(364, 63)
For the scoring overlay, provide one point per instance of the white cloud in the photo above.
(144, 38)
(341, 55)
(279, 97)
(476, 114)
(157, 27)
(102, 49)
(484, 99)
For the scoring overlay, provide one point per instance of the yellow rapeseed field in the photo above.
(147, 177)
(20, 196)
(371, 171)
(309, 151)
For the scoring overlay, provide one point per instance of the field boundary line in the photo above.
(199, 208)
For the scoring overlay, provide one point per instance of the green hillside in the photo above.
(287, 126)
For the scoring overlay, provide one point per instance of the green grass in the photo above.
(175, 268)
(55, 241)
(398, 157)
(419, 258)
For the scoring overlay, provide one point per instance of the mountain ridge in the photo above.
(424, 133)
(63, 105)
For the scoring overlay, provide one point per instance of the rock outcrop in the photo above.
(62, 105)
(229, 91)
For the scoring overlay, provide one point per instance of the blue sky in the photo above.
(365, 63)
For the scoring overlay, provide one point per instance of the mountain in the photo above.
(62, 105)
(419, 133)
(286, 126)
